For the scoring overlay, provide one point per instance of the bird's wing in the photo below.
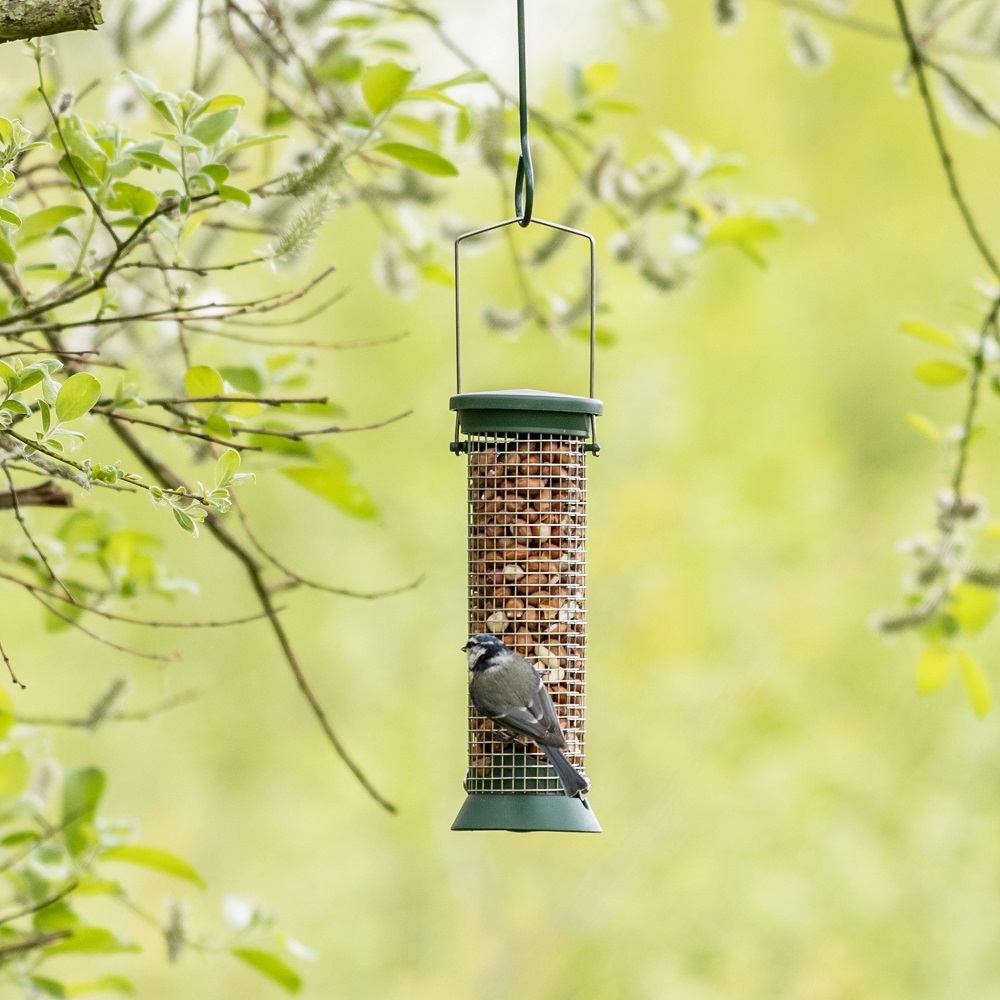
(537, 719)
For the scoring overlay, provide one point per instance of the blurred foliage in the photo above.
(781, 820)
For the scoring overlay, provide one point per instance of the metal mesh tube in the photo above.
(527, 586)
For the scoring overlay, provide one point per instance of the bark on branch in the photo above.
(20, 19)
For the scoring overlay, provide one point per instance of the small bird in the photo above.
(506, 688)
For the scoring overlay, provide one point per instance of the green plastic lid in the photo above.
(525, 410)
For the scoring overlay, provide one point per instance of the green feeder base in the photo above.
(524, 813)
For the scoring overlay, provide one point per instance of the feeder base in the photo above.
(524, 813)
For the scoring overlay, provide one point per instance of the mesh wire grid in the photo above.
(527, 585)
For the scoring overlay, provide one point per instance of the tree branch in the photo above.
(20, 20)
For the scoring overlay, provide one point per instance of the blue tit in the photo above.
(506, 688)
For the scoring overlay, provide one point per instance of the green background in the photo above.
(784, 816)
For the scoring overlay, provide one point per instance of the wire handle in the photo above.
(592, 286)
(524, 182)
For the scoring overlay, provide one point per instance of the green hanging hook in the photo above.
(524, 183)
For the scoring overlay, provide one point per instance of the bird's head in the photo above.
(483, 648)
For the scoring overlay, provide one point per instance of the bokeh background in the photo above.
(784, 817)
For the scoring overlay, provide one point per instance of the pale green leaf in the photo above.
(383, 84)
(6, 713)
(94, 940)
(154, 857)
(42, 222)
(14, 774)
(7, 254)
(270, 965)
(200, 380)
(930, 334)
(107, 984)
(12, 218)
(972, 607)
(82, 791)
(333, 480)
(600, 76)
(227, 467)
(925, 426)
(976, 685)
(229, 193)
(742, 229)
(213, 127)
(77, 396)
(419, 159)
(933, 669)
(940, 373)
(222, 103)
(430, 95)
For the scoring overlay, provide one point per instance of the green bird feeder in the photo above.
(527, 535)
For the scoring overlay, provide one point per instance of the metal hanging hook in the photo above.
(524, 182)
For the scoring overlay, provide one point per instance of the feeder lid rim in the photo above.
(526, 399)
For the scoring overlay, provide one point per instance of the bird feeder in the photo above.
(527, 543)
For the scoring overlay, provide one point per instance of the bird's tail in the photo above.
(573, 781)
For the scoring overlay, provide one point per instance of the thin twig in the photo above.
(129, 619)
(253, 572)
(35, 907)
(296, 579)
(30, 944)
(10, 668)
(137, 715)
(27, 533)
(916, 59)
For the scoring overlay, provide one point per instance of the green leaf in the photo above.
(185, 521)
(333, 480)
(154, 159)
(7, 254)
(14, 774)
(108, 984)
(933, 669)
(940, 373)
(976, 685)
(6, 215)
(77, 396)
(972, 607)
(56, 916)
(925, 426)
(229, 193)
(200, 380)
(742, 229)
(254, 140)
(600, 76)
(6, 713)
(420, 159)
(471, 76)
(131, 198)
(9, 376)
(213, 127)
(95, 940)
(383, 84)
(270, 965)
(48, 987)
(153, 857)
(430, 95)
(219, 172)
(82, 791)
(930, 334)
(166, 104)
(42, 222)
(221, 103)
(227, 467)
